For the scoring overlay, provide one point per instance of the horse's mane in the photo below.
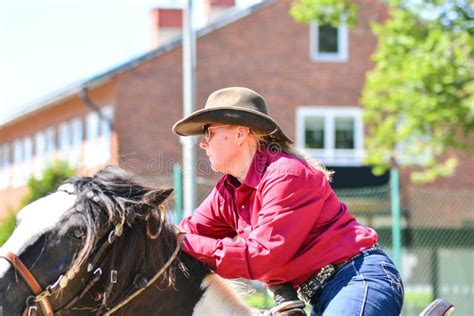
(114, 196)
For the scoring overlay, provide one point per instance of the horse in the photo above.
(101, 245)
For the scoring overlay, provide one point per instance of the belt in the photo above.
(307, 290)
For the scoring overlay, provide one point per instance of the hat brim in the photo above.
(193, 124)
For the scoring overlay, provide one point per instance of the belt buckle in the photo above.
(307, 290)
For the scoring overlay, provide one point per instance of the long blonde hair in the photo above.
(275, 144)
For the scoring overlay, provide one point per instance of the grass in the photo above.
(417, 300)
(259, 301)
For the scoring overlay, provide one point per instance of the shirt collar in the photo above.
(257, 168)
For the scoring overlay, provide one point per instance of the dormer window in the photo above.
(328, 43)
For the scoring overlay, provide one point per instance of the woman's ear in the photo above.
(242, 131)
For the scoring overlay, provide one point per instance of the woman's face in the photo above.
(221, 143)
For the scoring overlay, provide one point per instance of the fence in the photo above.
(437, 239)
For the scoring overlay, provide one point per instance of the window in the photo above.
(334, 135)
(98, 137)
(92, 135)
(50, 146)
(328, 43)
(40, 151)
(18, 155)
(28, 159)
(76, 130)
(65, 140)
(106, 134)
(4, 166)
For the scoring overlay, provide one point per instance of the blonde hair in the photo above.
(275, 144)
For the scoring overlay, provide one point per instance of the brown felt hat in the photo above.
(236, 106)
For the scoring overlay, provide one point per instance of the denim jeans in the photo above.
(367, 285)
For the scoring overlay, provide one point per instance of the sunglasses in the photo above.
(207, 131)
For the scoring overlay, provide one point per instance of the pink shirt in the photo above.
(281, 225)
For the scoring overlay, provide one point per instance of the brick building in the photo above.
(311, 77)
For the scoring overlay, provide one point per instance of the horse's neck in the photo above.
(219, 299)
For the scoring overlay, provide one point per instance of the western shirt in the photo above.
(282, 224)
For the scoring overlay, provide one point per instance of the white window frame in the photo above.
(50, 137)
(4, 166)
(27, 169)
(18, 157)
(65, 140)
(76, 140)
(106, 133)
(98, 143)
(40, 154)
(342, 43)
(92, 147)
(330, 155)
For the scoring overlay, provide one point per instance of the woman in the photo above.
(273, 216)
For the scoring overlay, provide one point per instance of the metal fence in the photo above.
(437, 238)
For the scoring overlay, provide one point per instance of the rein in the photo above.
(41, 296)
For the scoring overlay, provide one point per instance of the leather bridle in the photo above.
(41, 296)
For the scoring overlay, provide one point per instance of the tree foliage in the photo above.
(419, 98)
(51, 179)
(324, 11)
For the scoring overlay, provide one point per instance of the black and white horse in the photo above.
(100, 245)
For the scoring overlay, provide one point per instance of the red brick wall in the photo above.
(266, 51)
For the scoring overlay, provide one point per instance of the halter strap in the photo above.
(29, 280)
(180, 234)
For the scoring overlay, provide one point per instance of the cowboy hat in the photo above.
(236, 106)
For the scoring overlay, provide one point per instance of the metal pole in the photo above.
(396, 219)
(178, 191)
(189, 93)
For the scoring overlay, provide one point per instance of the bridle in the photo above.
(136, 288)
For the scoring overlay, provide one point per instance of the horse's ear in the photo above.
(156, 197)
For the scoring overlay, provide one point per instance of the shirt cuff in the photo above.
(201, 248)
(231, 259)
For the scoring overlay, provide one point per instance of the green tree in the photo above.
(419, 98)
(37, 188)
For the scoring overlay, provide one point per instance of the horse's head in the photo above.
(64, 240)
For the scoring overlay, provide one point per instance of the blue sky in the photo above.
(46, 45)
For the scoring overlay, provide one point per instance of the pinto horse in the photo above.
(101, 245)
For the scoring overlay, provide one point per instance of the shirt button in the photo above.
(243, 206)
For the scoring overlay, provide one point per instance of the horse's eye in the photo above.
(78, 233)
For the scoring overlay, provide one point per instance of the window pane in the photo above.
(92, 131)
(4, 165)
(40, 151)
(345, 128)
(92, 146)
(28, 155)
(75, 155)
(64, 136)
(50, 145)
(314, 132)
(327, 40)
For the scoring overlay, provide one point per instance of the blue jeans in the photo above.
(367, 285)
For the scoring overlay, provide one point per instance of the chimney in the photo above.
(165, 25)
(220, 7)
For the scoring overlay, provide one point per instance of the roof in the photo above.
(101, 78)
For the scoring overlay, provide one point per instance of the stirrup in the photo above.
(288, 308)
(439, 307)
